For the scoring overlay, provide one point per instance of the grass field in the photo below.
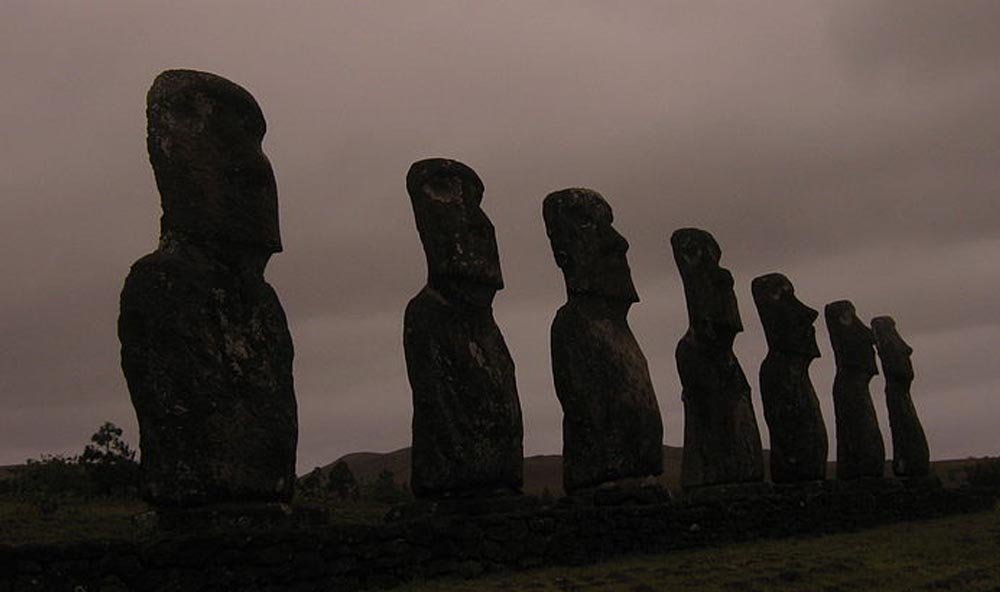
(73, 520)
(956, 553)
(22, 522)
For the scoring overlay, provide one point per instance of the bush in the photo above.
(384, 489)
(51, 476)
(109, 462)
(985, 473)
(341, 482)
(106, 467)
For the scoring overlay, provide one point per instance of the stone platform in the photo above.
(361, 557)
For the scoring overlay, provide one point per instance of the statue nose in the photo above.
(810, 314)
(617, 242)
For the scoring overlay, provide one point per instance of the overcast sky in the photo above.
(853, 146)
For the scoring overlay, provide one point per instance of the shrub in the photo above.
(384, 489)
(985, 473)
(110, 463)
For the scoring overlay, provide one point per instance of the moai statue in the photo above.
(721, 438)
(798, 436)
(205, 344)
(611, 421)
(910, 455)
(467, 428)
(860, 451)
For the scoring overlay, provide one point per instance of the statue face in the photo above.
(713, 313)
(204, 140)
(459, 240)
(590, 252)
(788, 323)
(892, 350)
(852, 341)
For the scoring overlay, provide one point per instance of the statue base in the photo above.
(879, 484)
(801, 488)
(471, 505)
(727, 492)
(235, 516)
(635, 491)
(931, 481)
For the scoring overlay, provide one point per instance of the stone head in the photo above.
(458, 238)
(588, 249)
(852, 341)
(713, 313)
(892, 350)
(788, 323)
(204, 138)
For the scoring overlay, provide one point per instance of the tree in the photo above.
(110, 462)
(985, 473)
(384, 489)
(341, 483)
(310, 485)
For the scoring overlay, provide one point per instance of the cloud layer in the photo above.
(851, 145)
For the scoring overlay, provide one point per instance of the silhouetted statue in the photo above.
(798, 437)
(205, 343)
(721, 438)
(910, 455)
(466, 416)
(611, 421)
(860, 451)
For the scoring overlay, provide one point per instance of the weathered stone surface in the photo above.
(612, 428)
(721, 438)
(799, 444)
(911, 456)
(860, 450)
(205, 349)
(467, 429)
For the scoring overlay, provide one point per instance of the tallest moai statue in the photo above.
(205, 344)
(721, 438)
(466, 415)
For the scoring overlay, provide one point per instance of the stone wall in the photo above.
(359, 557)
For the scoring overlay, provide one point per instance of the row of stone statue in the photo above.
(207, 353)
(467, 422)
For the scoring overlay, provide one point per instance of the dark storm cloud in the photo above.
(852, 146)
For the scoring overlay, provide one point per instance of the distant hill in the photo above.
(543, 472)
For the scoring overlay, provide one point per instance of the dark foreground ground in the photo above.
(955, 553)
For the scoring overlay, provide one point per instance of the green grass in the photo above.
(73, 520)
(956, 553)
(22, 522)
(348, 512)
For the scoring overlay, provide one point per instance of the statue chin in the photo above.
(472, 291)
(805, 347)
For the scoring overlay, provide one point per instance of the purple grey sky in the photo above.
(853, 146)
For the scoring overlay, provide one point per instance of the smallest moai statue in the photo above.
(611, 421)
(910, 455)
(860, 450)
(798, 436)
